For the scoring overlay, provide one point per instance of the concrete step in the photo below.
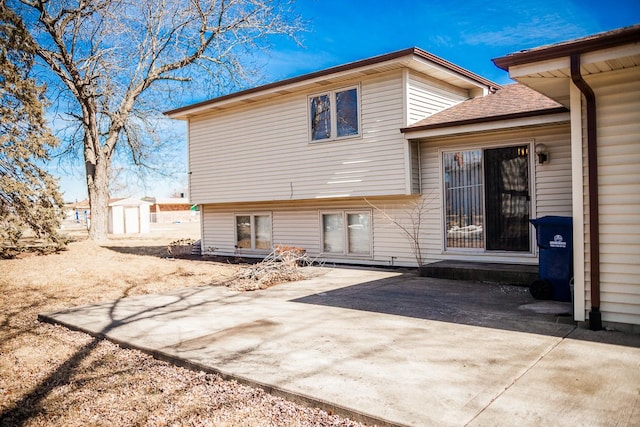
(196, 248)
(505, 274)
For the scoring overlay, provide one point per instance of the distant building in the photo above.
(128, 216)
(78, 212)
(170, 209)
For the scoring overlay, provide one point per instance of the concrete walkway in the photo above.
(389, 349)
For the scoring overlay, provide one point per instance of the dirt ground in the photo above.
(50, 375)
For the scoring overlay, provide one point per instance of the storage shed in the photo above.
(129, 216)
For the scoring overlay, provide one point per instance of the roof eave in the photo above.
(453, 67)
(183, 112)
(588, 44)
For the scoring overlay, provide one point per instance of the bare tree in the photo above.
(410, 223)
(119, 60)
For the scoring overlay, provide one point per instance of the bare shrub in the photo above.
(282, 265)
(180, 247)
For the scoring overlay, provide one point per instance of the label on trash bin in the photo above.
(558, 242)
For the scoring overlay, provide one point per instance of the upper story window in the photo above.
(334, 114)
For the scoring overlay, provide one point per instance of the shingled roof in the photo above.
(511, 102)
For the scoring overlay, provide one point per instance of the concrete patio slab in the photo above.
(386, 348)
(577, 383)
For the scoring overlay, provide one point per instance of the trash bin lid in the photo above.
(552, 220)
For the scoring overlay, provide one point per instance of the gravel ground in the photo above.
(51, 376)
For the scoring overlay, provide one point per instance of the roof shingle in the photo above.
(513, 100)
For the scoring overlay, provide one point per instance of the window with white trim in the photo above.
(253, 231)
(334, 114)
(346, 233)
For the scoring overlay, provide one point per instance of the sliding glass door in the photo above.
(486, 195)
(507, 198)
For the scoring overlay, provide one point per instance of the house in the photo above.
(170, 209)
(318, 161)
(128, 216)
(598, 79)
(350, 162)
(78, 211)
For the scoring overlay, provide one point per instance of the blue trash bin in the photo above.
(554, 235)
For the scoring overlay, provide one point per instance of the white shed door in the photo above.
(131, 220)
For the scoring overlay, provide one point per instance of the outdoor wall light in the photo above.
(543, 154)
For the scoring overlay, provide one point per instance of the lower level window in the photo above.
(253, 231)
(346, 233)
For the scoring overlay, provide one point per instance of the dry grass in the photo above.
(50, 375)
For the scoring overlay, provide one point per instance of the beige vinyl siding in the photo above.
(553, 179)
(262, 152)
(218, 231)
(297, 223)
(551, 192)
(428, 96)
(392, 244)
(414, 160)
(618, 120)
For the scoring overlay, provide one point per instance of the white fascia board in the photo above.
(539, 67)
(489, 126)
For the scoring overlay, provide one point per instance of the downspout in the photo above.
(595, 316)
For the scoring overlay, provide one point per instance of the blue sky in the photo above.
(468, 33)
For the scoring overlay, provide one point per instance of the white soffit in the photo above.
(551, 77)
(612, 59)
(556, 88)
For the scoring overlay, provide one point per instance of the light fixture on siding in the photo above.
(543, 154)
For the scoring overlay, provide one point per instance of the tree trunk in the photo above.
(98, 187)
